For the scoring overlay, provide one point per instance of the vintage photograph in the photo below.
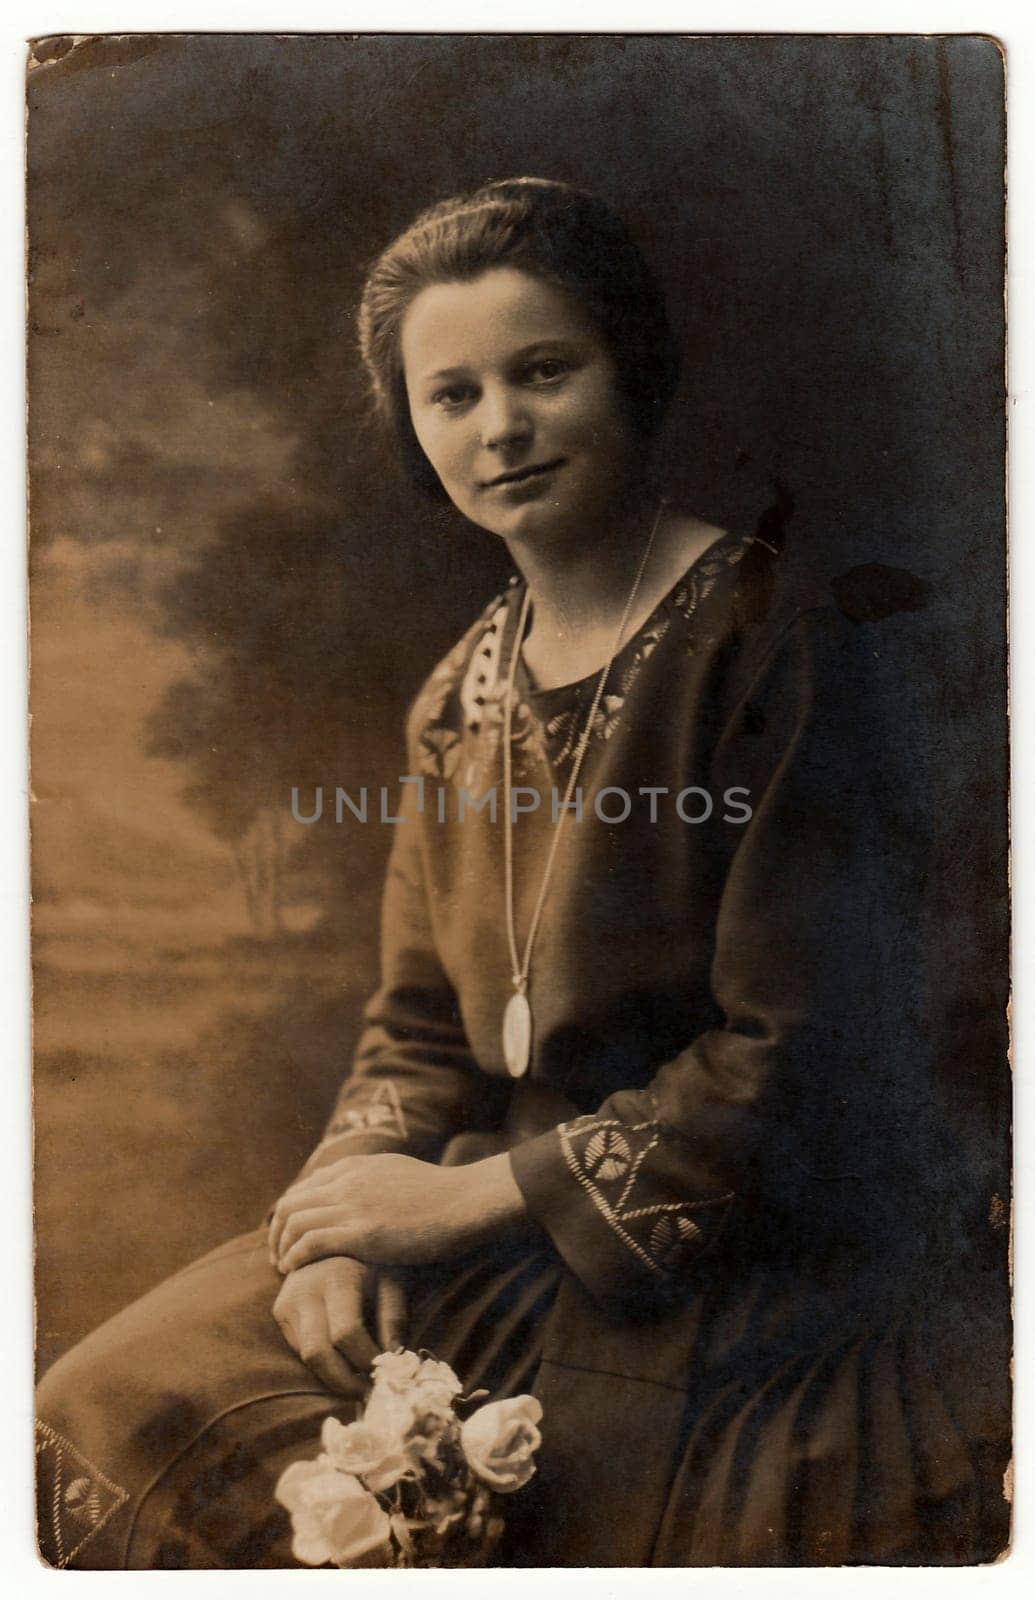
(519, 800)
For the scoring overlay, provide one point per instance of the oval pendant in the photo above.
(517, 1035)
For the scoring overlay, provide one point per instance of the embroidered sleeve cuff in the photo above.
(590, 1184)
(363, 1124)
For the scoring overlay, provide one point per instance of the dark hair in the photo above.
(566, 236)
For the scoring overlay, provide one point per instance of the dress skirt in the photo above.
(769, 1428)
(160, 1437)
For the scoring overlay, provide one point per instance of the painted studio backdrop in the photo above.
(229, 580)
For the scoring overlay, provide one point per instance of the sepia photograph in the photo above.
(519, 779)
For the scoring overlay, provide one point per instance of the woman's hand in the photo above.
(393, 1210)
(321, 1309)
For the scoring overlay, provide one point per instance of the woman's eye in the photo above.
(457, 394)
(550, 370)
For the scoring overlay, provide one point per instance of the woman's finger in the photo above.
(303, 1222)
(308, 1334)
(345, 1327)
(333, 1371)
(276, 1229)
(295, 1199)
(318, 1244)
(391, 1315)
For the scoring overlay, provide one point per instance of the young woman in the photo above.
(628, 1121)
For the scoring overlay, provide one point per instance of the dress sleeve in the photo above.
(632, 1194)
(414, 1078)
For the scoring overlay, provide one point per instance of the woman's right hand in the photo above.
(321, 1311)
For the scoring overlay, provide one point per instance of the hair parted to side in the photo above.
(566, 236)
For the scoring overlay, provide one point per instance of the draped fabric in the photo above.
(742, 1315)
(161, 1437)
(783, 1433)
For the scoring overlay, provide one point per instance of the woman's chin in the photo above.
(539, 521)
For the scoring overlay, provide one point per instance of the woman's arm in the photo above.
(414, 1082)
(633, 1193)
(413, 1085)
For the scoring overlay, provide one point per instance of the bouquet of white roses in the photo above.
(411, 1483)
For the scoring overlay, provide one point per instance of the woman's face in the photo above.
(515, 401)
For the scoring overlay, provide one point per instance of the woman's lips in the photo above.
(524, 475)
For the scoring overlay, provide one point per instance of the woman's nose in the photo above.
(504, 419)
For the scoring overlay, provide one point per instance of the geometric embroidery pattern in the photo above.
(457, 717)
(380, 1112)
(606, 1158)
(483, 671)
(78, 1498)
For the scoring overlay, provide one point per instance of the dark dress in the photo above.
(735, 1314)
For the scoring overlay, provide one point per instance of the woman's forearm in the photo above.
(490, 1200)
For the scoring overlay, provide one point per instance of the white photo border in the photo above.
(1013, 25)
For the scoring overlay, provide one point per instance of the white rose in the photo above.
(398, 1368)
(332, 1516)
(389, 1411)
(407, 1391)
(437, 1385)
(500, 1441)
(367, 1452)
(410, 1424)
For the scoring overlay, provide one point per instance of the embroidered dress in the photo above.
(726, 1136)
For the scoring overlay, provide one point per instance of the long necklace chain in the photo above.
(520, 966)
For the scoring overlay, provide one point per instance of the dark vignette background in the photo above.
(231, 592)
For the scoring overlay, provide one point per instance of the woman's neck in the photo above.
(580, 579)
(580, 591)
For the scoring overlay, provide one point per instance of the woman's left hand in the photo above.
(393, 1210)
